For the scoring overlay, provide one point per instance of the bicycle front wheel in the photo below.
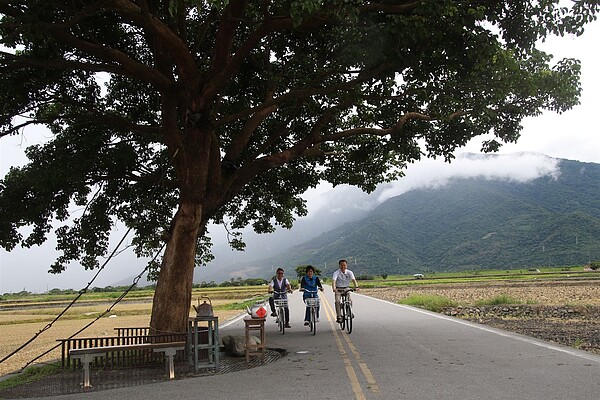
(281, 321)
(313, 320)
(342, 316)
(349, 318)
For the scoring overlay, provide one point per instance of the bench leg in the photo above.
(86, 360)
(86, 375)
(170, 366)
(169, 353)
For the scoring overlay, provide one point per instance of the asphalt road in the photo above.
(394, 352)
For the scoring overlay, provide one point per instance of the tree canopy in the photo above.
(167, 115)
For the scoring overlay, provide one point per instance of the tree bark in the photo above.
(173, 294)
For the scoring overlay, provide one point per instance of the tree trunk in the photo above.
(173, 294)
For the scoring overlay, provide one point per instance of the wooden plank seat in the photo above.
(87, 355)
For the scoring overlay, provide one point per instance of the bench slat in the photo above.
(140, 346)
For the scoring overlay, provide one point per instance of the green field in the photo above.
(550, 273)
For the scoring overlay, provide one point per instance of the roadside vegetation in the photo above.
(30, 374)
(438, 303)
(428, 302)
(498, 301)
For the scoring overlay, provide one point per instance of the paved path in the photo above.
(394, 352)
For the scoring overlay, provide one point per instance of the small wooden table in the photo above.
(255, 324)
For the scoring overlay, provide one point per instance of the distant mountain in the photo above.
(473, 223)
(466, 224)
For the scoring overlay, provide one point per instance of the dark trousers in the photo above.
(307, 313)
(286, 310)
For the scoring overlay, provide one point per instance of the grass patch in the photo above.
(498, 301)
(429, 302)
(240, 305)
(30, 374)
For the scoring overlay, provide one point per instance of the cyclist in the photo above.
(310, 283)
(341, 282)
(281, 285)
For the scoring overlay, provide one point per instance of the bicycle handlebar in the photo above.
(282, 292)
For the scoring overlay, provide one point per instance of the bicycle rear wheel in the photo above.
(349, 317)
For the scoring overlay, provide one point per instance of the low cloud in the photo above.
(330, 205)
(520, 167)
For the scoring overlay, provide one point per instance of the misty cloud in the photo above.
(428, 173)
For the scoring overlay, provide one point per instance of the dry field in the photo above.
(564, 312)
(549, 293)
(18, 326)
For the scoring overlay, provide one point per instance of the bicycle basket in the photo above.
(312, 301)
(281, 302)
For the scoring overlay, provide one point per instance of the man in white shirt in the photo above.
(341, 282)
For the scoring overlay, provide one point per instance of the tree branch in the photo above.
(389, 8)
(305, 92)
(169, 39)
(376, 131)
(232, 16)
(240, 141)
(64, 64)
(130, 67)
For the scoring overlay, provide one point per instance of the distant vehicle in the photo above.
(419, 276)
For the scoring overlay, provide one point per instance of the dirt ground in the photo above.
(564, 312)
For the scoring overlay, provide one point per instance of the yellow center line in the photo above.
(349, 369)
(356, 388)
(363, 366)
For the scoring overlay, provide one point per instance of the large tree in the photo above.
(168, 115)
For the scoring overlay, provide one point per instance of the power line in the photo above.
(84, 290)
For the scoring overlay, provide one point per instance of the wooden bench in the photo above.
(87, 355)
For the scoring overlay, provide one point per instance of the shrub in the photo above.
(498, 300)
(429, 302)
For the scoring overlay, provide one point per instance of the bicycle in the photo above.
(346, 315)
(280, 306)
(313, 304)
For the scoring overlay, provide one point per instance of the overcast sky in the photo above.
(573, 135)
